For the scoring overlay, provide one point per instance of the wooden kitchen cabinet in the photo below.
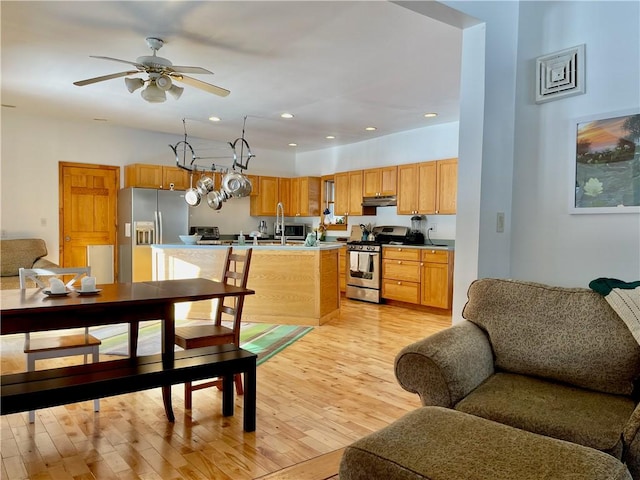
(428, 187)
(378, 182)
(447, 186)
(265, 202)
(305, 197)
(348, 193)
(342, 268)
(284, 196)
(401, 273)
(436, 278)
(144, 175)
(255, 184)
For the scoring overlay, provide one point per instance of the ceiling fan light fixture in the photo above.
(133, 84)
(153, 94)
(163, 82)
(176, 91)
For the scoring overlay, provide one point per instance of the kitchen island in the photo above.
(294, 284)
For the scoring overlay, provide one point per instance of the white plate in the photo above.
(50, 294)
(89, 292)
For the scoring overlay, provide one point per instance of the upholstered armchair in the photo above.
(550, 360)
(21, 253)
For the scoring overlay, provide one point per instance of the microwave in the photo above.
(293, 231)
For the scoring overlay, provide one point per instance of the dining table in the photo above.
(31, 310)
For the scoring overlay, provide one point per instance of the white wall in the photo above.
(548, 243)
(32, 146)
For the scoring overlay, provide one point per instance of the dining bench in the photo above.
(58, 386)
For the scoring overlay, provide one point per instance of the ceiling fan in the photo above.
(161, 74)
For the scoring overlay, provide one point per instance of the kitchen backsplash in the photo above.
(234, 217)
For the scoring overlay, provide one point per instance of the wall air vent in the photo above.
(560, 74)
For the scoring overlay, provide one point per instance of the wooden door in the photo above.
(427, 191)
(88, 210)
(407, 189)
(447, 186)
(269, 196)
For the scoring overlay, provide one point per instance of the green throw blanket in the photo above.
(624, 298)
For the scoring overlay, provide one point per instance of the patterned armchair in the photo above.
(550, 360)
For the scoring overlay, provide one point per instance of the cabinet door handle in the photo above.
(399, 283)
(399, 262)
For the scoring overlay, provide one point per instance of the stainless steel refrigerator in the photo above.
(147, 216)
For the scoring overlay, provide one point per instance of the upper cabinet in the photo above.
(428, 187)
(155, 176)
(299, 196)
(305, 197)
(264, 204)
(348, 193)
(378, 182)
(447, 186)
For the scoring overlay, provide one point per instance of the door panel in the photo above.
(88, 206)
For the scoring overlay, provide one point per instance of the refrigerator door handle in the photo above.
(156, 225)
(160, 224)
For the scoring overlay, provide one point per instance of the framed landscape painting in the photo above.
(606, 164)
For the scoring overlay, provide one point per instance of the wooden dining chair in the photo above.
(40, 348)
(235, 272)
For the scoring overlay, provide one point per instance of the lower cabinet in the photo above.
(437, 278)
(401, 274)
(417, 275)
(342, 268)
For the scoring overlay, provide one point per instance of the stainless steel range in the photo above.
(364, 275)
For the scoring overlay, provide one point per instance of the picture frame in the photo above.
(605, 163)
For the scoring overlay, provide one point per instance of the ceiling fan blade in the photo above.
(183, 69)
(89, 81)
(137, 65)
(207, 87)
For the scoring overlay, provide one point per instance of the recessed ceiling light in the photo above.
(214, 119)
(330, 137)
(370, 129)
(293, 144)
(286, 115)
(430, 115)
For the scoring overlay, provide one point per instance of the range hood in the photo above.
(385, 201)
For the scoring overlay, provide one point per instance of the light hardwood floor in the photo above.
(328, 389)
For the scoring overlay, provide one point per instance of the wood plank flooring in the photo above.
(325, 391)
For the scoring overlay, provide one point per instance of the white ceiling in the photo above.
(338, 66)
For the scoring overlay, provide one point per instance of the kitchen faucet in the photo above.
(280, 225)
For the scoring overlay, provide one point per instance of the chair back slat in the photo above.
(35, 274)
(236, 272)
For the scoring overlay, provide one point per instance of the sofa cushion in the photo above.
(592, 419)
(20, 253)
(567, 334)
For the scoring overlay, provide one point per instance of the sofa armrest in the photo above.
(44, 263)
(443, 368)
